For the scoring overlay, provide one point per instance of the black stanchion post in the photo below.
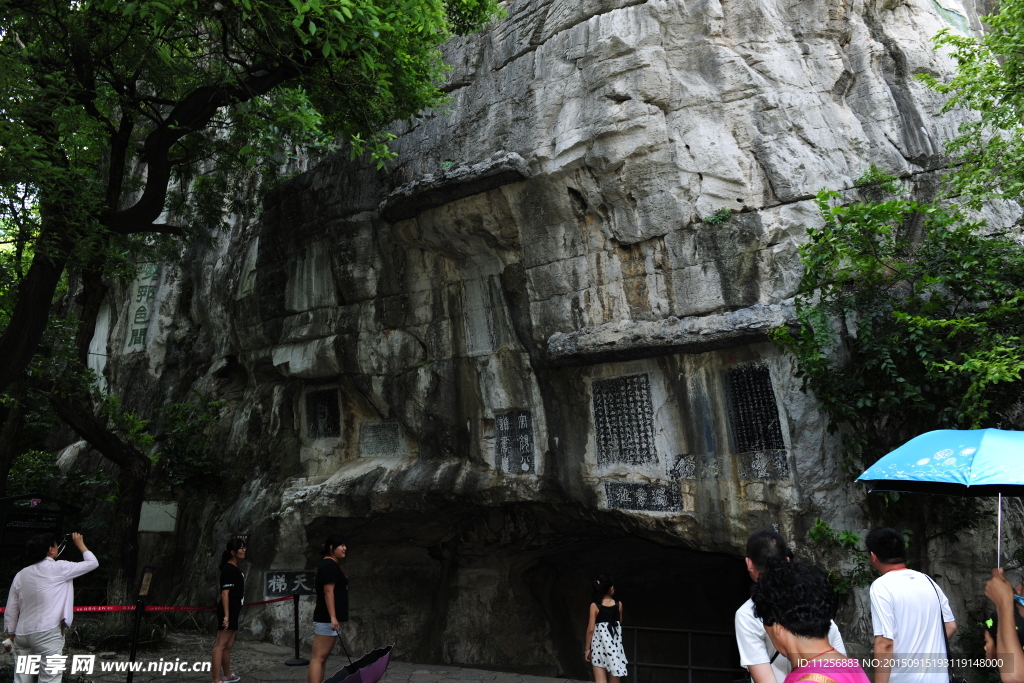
(147, 579)
(297, 660)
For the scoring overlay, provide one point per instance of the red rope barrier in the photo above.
(159, 608)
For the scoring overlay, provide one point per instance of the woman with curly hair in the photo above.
(796, 604)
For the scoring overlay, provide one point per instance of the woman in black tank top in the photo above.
(604, 633)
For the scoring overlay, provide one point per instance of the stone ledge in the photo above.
(438, 189)
(632, 339)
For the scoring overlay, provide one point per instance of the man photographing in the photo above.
(40, 604)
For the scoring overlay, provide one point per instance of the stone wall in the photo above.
(518, 356)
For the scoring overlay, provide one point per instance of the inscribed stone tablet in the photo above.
(764, 465)
(513, 443)
(279, 584)
(158, 516)
(642, 496)
(624, 419)
(753, 413)
(380, 440)
(323, 416)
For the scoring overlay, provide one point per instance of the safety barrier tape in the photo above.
(159, 608)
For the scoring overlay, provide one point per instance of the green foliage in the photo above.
(37, 472)
(908, 319)
(188, 462)
(851, 564)
(116, 113)
(718, 217)
(990, 82)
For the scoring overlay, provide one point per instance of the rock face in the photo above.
(519, 356)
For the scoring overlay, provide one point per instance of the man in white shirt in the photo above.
(40, 604)
(909, 613)
(766, 549)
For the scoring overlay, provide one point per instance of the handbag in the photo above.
(953, 678)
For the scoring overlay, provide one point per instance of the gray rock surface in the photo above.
(524, 353)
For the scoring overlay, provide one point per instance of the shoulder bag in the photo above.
(953, 678)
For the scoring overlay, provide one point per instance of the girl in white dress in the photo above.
(604, 633)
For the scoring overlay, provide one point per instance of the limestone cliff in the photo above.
(518, 355)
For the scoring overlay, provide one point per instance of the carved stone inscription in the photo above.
(145, 296)
(766, 465)
(753, 411)
(690, 466)
(513, 443)
(640, 496)
(323, 416)
(380, 440)
(624, 419)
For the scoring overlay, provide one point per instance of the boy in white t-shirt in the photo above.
(908, 614)
(764, 550)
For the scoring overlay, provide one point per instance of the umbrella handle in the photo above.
(344, 649)
(999, 533)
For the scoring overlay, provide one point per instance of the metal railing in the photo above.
(635, 663)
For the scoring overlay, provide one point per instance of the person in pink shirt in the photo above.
(796, 603)
(40, 604)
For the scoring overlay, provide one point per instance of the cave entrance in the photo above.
(509, 587)
(661, 587)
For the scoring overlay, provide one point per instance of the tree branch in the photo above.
(191, 114)
(79, 415)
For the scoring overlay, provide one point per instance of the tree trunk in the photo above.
(20, 340)
(11, 432)
(124, 539)
(131, 486)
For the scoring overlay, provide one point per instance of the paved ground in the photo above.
(264, 663)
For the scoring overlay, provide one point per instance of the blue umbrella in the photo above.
(976, 462)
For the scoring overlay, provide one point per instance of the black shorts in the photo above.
(234, 609)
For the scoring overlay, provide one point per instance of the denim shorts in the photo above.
(322, 629)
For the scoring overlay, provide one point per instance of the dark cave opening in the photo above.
(508, 587)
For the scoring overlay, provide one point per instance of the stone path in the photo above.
(259, 662)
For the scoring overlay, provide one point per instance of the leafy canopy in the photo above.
(908, 318)
(123, 121)
(989, 81)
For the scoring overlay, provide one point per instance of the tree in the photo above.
(125, 124)
(908, 318)
(989, 81)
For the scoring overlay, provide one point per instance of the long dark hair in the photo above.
(332, 542)
(234, 544)
(603, 585)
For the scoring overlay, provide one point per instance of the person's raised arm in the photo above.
(591, 625)
(71, 570)
(1008, 648)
